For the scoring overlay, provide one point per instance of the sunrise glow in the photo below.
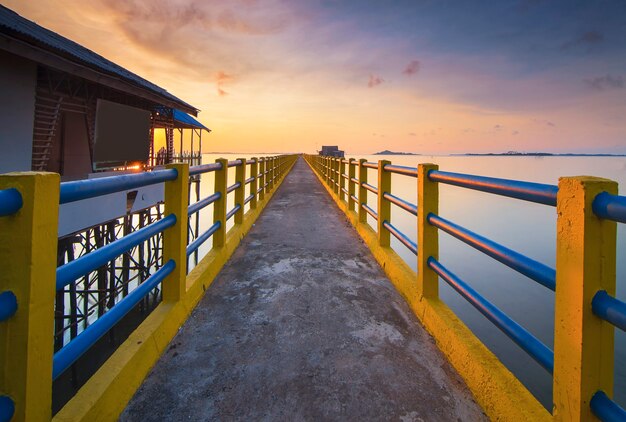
(425, 77)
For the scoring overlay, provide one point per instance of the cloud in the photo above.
(222, 78)
(544, 122)
(588, 38)
(375, 80)
(412, 68)
(412, 134)
(606, 82)
(515, 132)
(497, 127)
(196, 33)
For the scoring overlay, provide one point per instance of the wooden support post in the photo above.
(427, 235)
(362, 191)
(175, 237)
(219, 206)
(351, 184)
(28, 258)
(240, 192)
(254, 172)
(384, 206)
(585, 264)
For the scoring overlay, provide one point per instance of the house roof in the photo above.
(24, 37)
(183, 120)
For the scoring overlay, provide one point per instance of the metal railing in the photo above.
(31, 205)
(598, 307)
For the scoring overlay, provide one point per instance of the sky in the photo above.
(431, 76)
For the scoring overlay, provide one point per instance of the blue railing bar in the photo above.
(407, 171)
(606, 409)
(233, 187)
(233, 212)
(90, 188)
(259, 190)
(370, 188)
(355, 180)
(266, 184)
(344, 175)
(195, 207)
(401, 236)
(69, 272)
(536, 349)
(370, 211)
(252, 161)
(354, 198)
(248, 199)
(527, 191)
(204, 168)
(235, 163)
(65, 357)
(535, 270)
(370, 165)
(8, 305)
(10, 201)
(7, 408)
(407, 206)
(193, 246)
(609, 309)
(249, 180)
(612, 207)
(344, 190)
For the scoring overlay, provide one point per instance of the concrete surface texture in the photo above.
(302, 324)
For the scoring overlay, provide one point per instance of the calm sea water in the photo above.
(525, 227)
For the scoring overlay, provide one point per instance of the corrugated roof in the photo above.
(19, 27)
(187, 120)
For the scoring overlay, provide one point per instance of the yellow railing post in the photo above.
(585, 263)
(175, 238)
(362, 191)
(329, 174)
(333, 173)
(270, 179)
(28, 254)
(336, 186)
(427, 235)
(384, 206)
(254, 172)
(240, 192)
(351, 175)
(219, 206)
(262, 163)
(342, 178)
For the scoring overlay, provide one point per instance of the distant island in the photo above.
(539, 154)
(387, 152)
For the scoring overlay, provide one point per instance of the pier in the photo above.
(139, 282)
(297, 326)
(301, 309)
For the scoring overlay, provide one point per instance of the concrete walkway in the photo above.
(302, 324)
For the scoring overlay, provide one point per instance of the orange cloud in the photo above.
(222, 78)
(412, 68)
(375, 80)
